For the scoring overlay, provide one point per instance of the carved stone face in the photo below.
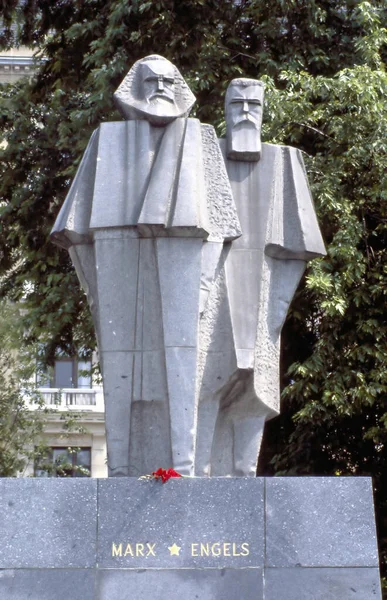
(244, 106)
(158, 81)
(154, 90)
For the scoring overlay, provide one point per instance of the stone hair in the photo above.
(244, 82)
(129, 99)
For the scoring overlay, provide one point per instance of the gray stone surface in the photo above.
(181, 368)
(180, 584)
(190, 259)
(46, 523)
(179, 296)
(114, 282)
(320, 522)
(48, 584)
(322, 584)
(208, 520)
(188, 538)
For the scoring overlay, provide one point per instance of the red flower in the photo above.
(165, 474)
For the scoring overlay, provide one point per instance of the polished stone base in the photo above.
(206, 539)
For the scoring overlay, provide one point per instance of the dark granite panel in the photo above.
(320, 522)
(47, 584)
(181, 584)
(48, 523)
(322, 584)
(184, 523)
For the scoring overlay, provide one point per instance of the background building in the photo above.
(68, 389)
(15, 63)
(87, 440)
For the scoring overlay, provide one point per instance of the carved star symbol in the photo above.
(174, 550)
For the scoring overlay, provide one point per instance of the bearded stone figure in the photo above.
(263, 268)
(189, 261)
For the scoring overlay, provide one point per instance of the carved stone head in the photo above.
(154, 90)
(243, 109)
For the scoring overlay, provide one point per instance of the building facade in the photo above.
(68, 390)
(71, 395)
(16, 63)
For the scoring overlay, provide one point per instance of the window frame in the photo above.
(48, 379)
(71, 452)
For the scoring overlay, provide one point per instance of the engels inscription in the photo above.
(220, 549)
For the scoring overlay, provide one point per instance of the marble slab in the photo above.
(218, 538)
(185, 523)
(322, 584)
(48, 523)
(209, 584)
(320, 522)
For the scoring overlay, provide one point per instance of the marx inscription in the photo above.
(137, 549)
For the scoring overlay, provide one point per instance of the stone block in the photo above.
(48, 523)
(180, 365)
(117, 274)
(243, 266)
(47, 584)
(177, 584)
(199, 538)
(322, 584)
(186, 523)
(320, 522)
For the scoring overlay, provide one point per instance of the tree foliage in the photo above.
(23, 412)
(323, 62)
(20, 427)
(334, 418)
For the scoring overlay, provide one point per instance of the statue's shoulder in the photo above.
(112, 127)
(208, 130)
(209, 136)
(111, 124)
(282, 152)
(281, 148)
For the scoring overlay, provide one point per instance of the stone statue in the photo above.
(147, 195)
(187, 311)
(263, 268)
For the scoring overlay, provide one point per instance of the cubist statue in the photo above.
(263, 268)
(189, 261)
(148, 194)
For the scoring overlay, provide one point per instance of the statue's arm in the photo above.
(293, 230)
(72, 223)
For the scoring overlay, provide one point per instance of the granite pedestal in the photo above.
(219, 539)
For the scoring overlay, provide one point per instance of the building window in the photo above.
(64, 462)
(67, 373)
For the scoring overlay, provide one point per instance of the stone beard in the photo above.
(158, 87)
(244, 105)
(187, 313)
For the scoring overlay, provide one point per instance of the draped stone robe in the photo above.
(146, 222)
(250, 299)
(188, 312)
